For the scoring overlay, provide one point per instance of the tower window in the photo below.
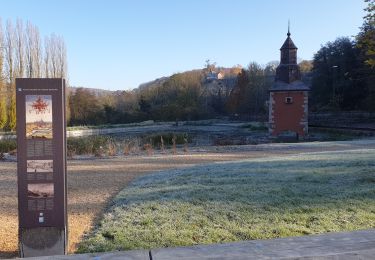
(288, 100)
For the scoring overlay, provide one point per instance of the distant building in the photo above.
(219, 84)
(213, 75)
(288, 103)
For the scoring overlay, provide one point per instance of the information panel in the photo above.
(41, 153)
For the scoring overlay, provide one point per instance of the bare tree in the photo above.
(1, 54)
(62, 62)
(37, 52)
(3, 96)
(9, 51)
(22, 54)
(33, 52)
(10, 71)
(55, 57)
(47, 58)
(30, 63)
(53, 54)
(20, 49)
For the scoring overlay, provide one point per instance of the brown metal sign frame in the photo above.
(41, 142)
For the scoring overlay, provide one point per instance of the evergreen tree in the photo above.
(336, 82)
(144, 105)
(366, 45)
(366, 37)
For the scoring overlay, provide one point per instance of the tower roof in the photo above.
(288, 44)
(288, 74)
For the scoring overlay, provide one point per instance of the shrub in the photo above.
(255, 126)
(166, 139)
(7, 145)
(110, 145)
(87, 145)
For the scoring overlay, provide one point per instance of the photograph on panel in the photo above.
(40, 190)
(39, 116)
(39, 166)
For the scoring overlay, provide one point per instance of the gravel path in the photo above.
(92, 183)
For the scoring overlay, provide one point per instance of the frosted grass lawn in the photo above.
(255, 199)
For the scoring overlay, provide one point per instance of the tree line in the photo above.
(344, 70)
(341, 77)
(23, 54)
(190, 95)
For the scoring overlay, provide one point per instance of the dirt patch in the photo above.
(93, 183)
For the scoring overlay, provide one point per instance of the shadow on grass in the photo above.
(7, 254)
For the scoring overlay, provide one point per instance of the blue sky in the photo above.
(118, 44)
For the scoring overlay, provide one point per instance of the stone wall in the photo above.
(342, 119)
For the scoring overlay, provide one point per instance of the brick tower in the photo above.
(288, 105)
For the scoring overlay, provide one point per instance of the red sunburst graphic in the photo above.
(40, 106)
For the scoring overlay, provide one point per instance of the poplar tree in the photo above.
(3, 100)
(22, 55)
(3, 110)
(12, 112)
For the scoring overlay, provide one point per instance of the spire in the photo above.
(288, 44)
(288, 74)
(288, 70)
